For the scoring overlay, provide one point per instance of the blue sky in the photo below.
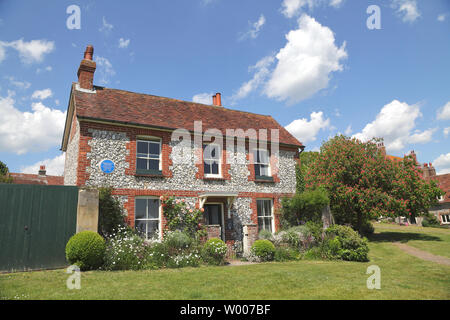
(312, 64)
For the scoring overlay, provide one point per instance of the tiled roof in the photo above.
(149, 110)
(443, 181)
(394, 158)
(25, 178)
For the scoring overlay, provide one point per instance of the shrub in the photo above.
(177, 241)
(285, 254)
(214, 251)
(343, 242)
(303, 207)
(157, 256)
(265, 235)
(86, 250)
(191, 259)
(298, 237)
(110, 213)
(125, 250)
(430, 220)
(263, 249)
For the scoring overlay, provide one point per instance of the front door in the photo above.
(213, 215)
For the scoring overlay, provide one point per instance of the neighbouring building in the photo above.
(124, 140)
(40, 178)
(442, 210)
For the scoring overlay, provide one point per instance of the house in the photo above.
(40, 178)
(442, 210)
(236, 165)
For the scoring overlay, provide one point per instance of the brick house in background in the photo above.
(442, 210)
(40, 178)
(123, 139)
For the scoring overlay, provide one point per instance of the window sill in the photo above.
(214, 178)
(149, 173)
(263, 179)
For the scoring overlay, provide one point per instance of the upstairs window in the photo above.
(211, 160)
(261, 159)
(148, 155)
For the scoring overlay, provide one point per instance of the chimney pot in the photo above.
(214, 100)
(42, 170)
(218, 99)
(89, 53)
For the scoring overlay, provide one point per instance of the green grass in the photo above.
(402, 277)
(433, 240)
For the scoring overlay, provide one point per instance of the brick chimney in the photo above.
(217, 101)
(87, 69)
(428, 170)
(42, 170)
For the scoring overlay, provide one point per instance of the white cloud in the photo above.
(106, 27)
(105, 70)
(2, 52)
(48, 69)
(305, 63)
(442, 17)
(22, 132)
(54, 166)
(407, 9)
(444, 112)
(42, 94)
(18, 84)
(205, 98)
(255, 27)
(261, 69)
(446, 131)
(291, 8)
(124, 43)
(305, 130)
(348, 131)
(442, 163)
(395, 123)
(29, 52)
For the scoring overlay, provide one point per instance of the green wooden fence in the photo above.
(36, 222)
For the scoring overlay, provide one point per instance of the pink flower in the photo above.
(190, 210)
(202, 210)
(177, 201)
(161, 198)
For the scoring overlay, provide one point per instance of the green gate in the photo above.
(36, 222)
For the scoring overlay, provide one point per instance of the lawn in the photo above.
(402, 277)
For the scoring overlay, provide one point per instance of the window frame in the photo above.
(255, 157)
(272, 216)
(149, 140)
(219, 163)
(445, 220)
(147, 219)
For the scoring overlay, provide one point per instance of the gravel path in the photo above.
(422, 254)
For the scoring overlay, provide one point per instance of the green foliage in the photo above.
(430, 220)
(86, 250)
(110, 213)
(303, 207)
(177, 241)
(300, 186)
(285, 254)
(180, 216)
(265, 234)
(342, 242)
(263, 249)
(367, 228)
(125, 250)
(363, 184)
(214, 251)
(4, 174)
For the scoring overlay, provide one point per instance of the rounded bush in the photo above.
(86, 250)
(177, 240)
(263, 249)
(214, 251)
(345, 243)
(285, 254)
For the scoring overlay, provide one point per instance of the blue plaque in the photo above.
(107, 166)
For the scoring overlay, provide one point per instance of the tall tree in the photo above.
(363, 184)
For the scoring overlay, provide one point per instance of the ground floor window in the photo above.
(445, 218)
(147, 217)
(265, 216)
